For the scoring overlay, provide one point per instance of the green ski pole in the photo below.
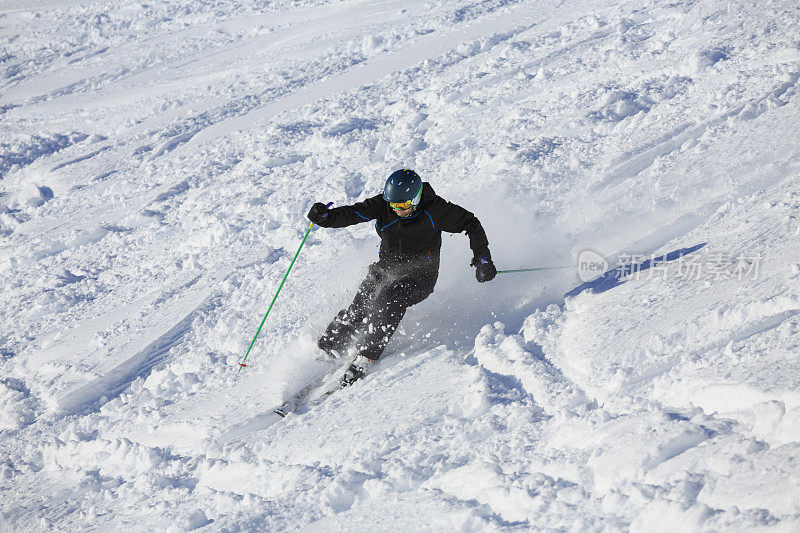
(242, 362)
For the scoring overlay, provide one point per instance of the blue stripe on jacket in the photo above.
(431, 219)
(389, 224)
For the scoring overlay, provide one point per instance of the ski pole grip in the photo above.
(327, 207)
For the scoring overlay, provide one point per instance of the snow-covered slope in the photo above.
(156, 165)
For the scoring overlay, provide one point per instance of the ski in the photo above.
(312, 394)
(315, 392)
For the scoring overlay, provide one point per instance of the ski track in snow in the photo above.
(108, 386)
(157, 164)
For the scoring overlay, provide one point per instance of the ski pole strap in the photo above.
(532, 269)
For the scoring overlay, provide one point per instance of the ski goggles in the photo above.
(402, 206)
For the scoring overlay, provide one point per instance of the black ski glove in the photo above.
(484, 267)
(319, 214)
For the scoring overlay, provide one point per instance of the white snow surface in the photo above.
(157, 161)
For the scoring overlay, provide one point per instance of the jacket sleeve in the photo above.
(453, 218)
(347, 215)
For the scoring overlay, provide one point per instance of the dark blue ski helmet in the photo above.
(403, 186)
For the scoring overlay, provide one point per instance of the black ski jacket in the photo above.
(413, 241)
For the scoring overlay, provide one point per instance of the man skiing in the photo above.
(409, 218)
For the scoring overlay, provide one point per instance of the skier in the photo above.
(409, 218)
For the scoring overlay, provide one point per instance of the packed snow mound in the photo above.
(157, 164)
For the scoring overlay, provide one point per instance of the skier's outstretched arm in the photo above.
(455, 219)
(346, 215)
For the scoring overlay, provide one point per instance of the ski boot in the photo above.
(357, 370)
(289, 406)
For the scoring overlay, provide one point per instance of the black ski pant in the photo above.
(378, 307)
